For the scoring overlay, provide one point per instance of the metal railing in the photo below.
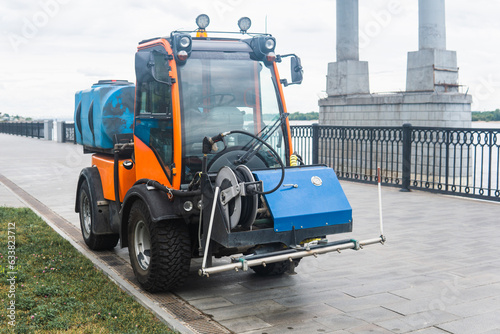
(463, 162)
(68, 132)
(27, 129)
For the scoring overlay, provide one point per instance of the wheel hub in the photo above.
(142, 245)
(87, 219)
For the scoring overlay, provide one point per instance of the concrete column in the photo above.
(47, 129)
(348, 75)
(432, 68)
(347, 30)
(60, 131)
(431, 24)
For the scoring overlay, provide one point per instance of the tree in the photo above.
(298, 116)
(486, 116)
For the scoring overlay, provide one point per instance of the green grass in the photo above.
(60, 290)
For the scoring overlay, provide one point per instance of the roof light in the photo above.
(244, 23)
(202, 21)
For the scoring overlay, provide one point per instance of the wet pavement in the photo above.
(439, 271)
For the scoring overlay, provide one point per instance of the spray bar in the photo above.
(244, 264)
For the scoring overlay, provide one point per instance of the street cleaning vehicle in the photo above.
(195, 160)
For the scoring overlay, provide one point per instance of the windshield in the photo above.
(223, 91)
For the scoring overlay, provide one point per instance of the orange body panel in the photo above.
(282, 97)
(126, 178)
(147, 165)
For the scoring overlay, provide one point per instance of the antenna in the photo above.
(266, 24)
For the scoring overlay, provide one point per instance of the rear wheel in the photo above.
(160, 253)
(87, 220)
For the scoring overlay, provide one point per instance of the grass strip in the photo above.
(56, 289)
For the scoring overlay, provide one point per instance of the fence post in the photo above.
(405, 184)
(60, 132)
(315, 144)
(490, 158)
(47, 130)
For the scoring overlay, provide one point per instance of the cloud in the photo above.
(94, 72)
(83, 41)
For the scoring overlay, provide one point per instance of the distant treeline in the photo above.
(299, 116)
(486, 116)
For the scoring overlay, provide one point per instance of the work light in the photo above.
(202, 21)
(244, 23)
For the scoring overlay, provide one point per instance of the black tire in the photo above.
(275, 269)
(87, 220)
(160, 253)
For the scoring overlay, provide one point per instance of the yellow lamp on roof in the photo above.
(202, 21)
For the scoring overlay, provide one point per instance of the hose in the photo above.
(217, 138)
(174, 192)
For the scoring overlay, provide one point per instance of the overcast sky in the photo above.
(49, 49)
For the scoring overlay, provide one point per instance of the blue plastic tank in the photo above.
(103, 111)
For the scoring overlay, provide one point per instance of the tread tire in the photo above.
(93, 241)
(170, 251)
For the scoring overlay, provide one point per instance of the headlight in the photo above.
(270, 43)
(181, 45)
(184, 42)
(188, 206)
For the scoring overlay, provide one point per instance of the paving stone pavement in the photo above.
(439, 271)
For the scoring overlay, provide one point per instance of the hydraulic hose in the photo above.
(217, 138)
(174, 192)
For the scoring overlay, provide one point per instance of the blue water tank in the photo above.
(103, 111)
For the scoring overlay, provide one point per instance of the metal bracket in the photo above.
(244, 264)
(357, 246)
(229, 193)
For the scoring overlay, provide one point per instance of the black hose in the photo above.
(275, 154)
(175, 192)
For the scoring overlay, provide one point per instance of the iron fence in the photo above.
(27, 129)
(463, 162)
(68, 132)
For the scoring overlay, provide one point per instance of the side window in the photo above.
(161, 142)
(154, 98)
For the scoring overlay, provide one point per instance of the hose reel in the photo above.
(238, 207)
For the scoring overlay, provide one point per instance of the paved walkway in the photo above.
(439, 271)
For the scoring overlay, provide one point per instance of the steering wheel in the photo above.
(229, 155)
(220, 97)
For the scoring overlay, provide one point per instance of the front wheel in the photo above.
(87, 220)
(160, 253)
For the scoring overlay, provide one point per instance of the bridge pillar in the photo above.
(347, 75)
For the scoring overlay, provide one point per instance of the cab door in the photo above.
(156, 112)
